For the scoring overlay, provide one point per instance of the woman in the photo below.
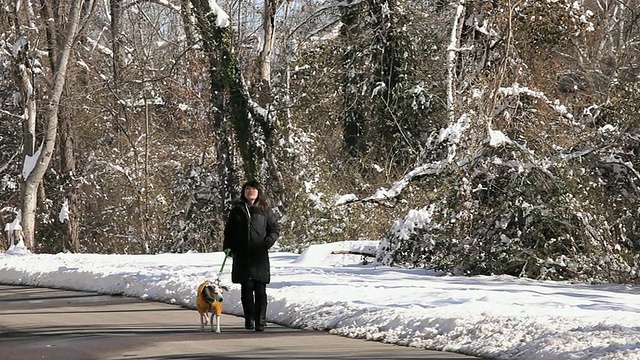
(249, 233)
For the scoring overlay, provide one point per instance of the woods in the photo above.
(471, 136)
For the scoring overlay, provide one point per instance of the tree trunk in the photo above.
(70, 226)
(226, 80)
(251, 127)
(70, 236)
(452, 53)
(186, 12)
(264, 97)
(387, 69)
(353, 118)
(268, 25)
(34, 178)
(23, 75)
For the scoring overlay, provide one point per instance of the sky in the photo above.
(497, 317)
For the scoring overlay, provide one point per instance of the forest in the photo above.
(468, 136)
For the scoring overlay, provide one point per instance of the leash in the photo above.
(226, 255)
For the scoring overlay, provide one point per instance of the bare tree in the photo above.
(265, 96)
(269, 28)
(26, 80)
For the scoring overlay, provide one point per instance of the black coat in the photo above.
(249, 238)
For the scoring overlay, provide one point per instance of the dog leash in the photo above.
(226, 255)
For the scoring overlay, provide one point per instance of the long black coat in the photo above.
(249, 237)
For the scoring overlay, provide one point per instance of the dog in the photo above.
(209, 302)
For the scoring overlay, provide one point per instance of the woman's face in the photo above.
(251, 194)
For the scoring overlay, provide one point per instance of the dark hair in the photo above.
(261, 201)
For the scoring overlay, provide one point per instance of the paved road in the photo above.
(42, 323)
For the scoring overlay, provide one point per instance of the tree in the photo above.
(27, 79)
(265, 97)
(532, 146)
(383, 119)
(230, 95)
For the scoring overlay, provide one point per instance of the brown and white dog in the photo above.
(209, 303)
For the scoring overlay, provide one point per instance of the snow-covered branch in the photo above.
(9, 114)
(452, 50)
(396, 189)
(613, 160)
(516, 90)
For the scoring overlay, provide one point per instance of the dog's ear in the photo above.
(225, 288)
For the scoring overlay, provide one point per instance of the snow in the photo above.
(19, 46)
(345, 199)
(497, 317)
(30, 162)
(64, 211)
(222, 18)
(15, 224)
(497, 138)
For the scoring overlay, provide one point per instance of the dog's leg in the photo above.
(210, 318)
(217, 323)
(202, 322)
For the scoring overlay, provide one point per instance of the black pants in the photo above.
(253, 295)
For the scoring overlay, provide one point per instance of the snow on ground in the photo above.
(498, 317)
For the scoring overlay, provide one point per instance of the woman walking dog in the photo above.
(249, 233)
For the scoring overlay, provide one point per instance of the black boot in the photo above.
(260, 320)
(248, 324)
(260, 306)
(263, 316)
(259, 326)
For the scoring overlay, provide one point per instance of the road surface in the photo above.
(43, 323)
